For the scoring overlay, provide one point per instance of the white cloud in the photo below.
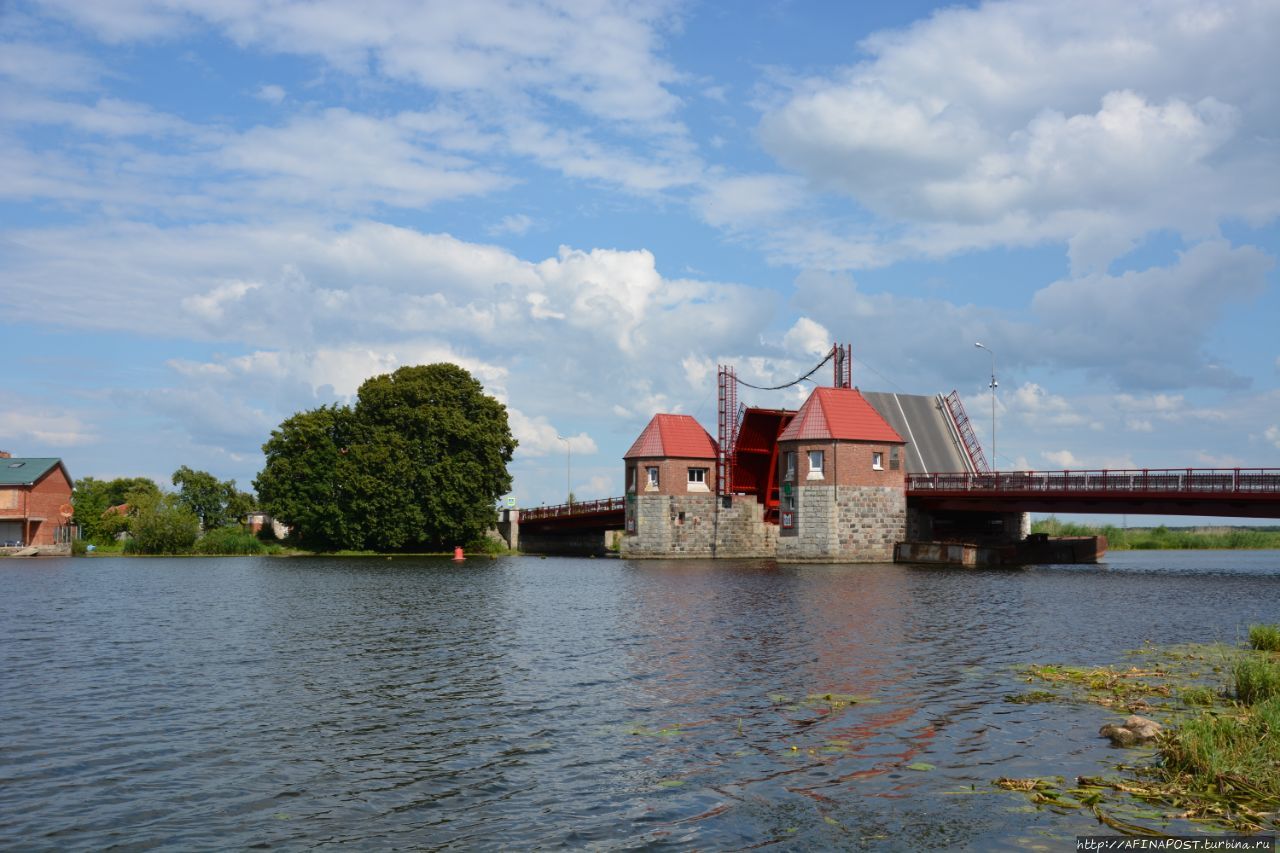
(42, 426)
(1018, 122)
(1272, 434)
(601, 57)
(1138, 425)
(271, 93)
(48, 68)
(516, 223)
(1149, 328)
(806, 337)
(748, 199)
(345, 159)
(538, 437)
(1061, 458)
(1039, 409)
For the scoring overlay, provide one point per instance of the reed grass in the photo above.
(1265, 638)
(1257, 679)
(1162, 538)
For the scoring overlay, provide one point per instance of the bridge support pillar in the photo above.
(986, 528)
(509, 527)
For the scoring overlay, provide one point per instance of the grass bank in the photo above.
(1164, 538)
(1216, 764)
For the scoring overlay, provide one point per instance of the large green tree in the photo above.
(417, 464)
(306, 480)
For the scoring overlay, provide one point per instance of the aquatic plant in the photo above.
(1257, 678)
(1265, 638)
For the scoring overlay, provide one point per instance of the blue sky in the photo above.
(217, 214)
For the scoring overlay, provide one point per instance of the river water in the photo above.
(189, 704)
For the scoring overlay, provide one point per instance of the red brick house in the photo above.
(33, 494)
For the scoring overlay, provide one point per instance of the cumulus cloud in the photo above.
(1018, 122)
(1062, 458)
(1272, 434)
(807, 337)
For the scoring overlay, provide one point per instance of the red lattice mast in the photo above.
(961, 420)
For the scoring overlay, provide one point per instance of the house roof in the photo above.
(25, 471)
(842, 414)
(674, 437)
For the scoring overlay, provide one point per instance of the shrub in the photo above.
(230, 540)
(1257, 679)
(1265, 638)
(164, 527)
(487, 545)
(1212, 748)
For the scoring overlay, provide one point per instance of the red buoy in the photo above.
(457, 555)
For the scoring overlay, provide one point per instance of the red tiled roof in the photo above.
(673, 437)
(839, 413)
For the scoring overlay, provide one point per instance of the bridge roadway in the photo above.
(1222, 492)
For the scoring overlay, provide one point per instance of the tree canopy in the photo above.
(416, 464)
(215, 502)
(93, 497)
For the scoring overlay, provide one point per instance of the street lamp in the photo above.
(568, 468)
(994, 465)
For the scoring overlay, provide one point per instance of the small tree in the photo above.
(92, 498)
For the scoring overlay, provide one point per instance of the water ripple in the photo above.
(297, 704)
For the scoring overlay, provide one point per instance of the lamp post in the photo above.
(994, 465)
(568, 468)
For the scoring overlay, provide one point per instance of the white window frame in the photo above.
(651, 478)
(816, 471)
(877, 460)
(789, 466)
(698, 480)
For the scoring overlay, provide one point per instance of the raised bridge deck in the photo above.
(1224, 492)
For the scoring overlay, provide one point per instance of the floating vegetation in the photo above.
(1198, 695)
(1218, 763)
(1032, 697)
(922, 767)
(835, 701)
(1265, 638)
(644, 731)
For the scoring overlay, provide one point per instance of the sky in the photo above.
(216, 214)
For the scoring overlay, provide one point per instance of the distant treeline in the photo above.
(1165, 538)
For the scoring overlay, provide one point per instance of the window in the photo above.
(698, 479)
(895, 458)
(815, 464)
(631, 479)
(651, 474)
(790, 465)
(877, 460)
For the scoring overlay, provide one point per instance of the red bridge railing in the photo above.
(574, 510)
(1153, 481)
